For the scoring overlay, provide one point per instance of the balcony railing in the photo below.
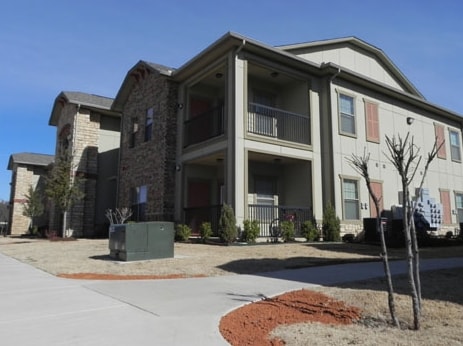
(266, 214)
(277, 123)
(204, 126)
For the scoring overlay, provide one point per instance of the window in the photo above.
(139, 199)
(351, 199)
(133, 132)
(455, 145)
(346, 114)
(459, 206)
(149, 124)
(372, 122)
(439, 133)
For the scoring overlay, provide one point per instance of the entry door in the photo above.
(198, 193)
(377, 189)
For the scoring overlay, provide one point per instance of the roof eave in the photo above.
(348, 75)
(129, 81)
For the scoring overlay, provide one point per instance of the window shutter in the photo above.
(372, 122)
(445, 200)
(440, 137)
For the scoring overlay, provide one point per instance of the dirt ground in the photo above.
(356, 313)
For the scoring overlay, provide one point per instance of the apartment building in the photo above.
(27, 170)
(268, 130)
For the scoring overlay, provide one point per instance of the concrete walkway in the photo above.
(39, 309)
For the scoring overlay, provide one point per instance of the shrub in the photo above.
(331, 224)
(227, 225)
(251, 231)
(287, 231)
(182, 232)
(309, 230)
(205, 231)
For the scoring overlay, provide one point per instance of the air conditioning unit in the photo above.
(262, 124)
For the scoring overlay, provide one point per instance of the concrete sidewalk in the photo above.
(39, 309)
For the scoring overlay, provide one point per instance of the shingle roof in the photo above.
(87, 99)
(97, 102)
(30, 159)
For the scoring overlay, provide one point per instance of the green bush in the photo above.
(251, 231)
(331, 225)
(287, 231)
(227, 225)
(182, 232)
(205, 231)
(309, 230)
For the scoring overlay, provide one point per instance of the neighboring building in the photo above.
(88, 128)
(268, 130)
(28, 170)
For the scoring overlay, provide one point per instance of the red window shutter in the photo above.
(445, 200)
(377, 189)
(372, 122)
(440, 137)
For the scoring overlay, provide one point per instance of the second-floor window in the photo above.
(149, 124)
(347, 115)
(133, 132)
(455, 151)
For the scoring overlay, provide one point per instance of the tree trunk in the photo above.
(410, 258)
(387, 271)
(64, 227)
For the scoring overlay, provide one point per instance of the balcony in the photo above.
(279, 124)
(204, 126)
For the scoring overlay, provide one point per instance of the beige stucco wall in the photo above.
(443, 173)
(353, 59)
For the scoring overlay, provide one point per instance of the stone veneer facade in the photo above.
(80, 127)
(24, 176)
(150, 163)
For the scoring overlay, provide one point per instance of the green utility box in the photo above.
(141, 241)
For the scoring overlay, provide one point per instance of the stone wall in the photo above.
(83, 146)
(152, 162)
(23, 177)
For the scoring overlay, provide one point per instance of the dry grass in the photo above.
(442, 318)
(442, 322)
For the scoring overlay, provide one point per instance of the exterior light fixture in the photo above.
(410, 120)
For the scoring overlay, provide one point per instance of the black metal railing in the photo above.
(194, 217)
(204, 126)
(277, 123)
(266, 214)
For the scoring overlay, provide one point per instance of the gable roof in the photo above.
(30, 159)
(91, 101)
(362, 45)
(133, 75)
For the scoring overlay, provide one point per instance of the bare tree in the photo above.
(404, 155)
(118, 216)
(360, 164)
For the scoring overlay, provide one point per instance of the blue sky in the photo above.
(47, 46)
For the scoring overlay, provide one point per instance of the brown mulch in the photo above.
(252, 323)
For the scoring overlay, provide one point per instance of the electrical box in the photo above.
(141, 241)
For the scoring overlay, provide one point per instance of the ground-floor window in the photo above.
(350, 199)
(139, 199)
(459, 205)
